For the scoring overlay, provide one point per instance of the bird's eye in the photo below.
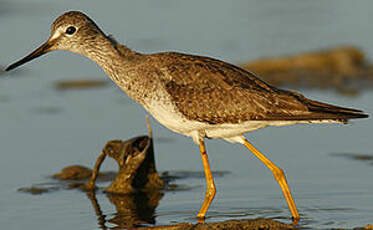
(70, 30)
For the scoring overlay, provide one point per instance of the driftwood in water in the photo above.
(135, 190)
(135, 158)
(137, 171)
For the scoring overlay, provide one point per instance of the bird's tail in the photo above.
(334, 112)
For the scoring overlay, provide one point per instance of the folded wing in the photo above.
(213, 91)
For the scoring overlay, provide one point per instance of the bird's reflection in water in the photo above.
(132, 210)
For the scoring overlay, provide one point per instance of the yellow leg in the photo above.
(210, 189)
(279, 176)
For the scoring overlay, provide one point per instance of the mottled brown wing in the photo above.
(186, 69)
(212, 91)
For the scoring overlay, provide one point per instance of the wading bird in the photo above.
(196, 96)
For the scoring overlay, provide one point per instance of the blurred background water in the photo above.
(43, 129)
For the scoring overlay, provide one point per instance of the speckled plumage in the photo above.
(216, 92)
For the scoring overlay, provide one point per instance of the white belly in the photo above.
(168, 115)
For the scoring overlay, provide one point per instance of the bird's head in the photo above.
(73, 31)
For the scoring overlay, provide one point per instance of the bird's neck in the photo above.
(119, 63)
(115, 59)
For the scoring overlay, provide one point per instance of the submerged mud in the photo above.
(252, 224)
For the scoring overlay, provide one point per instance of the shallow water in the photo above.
(44, 130)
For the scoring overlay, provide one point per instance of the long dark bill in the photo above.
(37, 53)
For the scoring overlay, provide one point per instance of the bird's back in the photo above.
(212, 91)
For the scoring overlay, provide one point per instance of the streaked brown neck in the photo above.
(113, 58)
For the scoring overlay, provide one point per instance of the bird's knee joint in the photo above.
(279, 173)
(211, 195)
(211, 192)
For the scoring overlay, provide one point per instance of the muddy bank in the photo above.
(342, 68)
(249, 224)
(252, 224)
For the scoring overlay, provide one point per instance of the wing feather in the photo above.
(213, 91)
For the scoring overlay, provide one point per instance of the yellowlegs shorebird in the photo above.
(197, 96)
